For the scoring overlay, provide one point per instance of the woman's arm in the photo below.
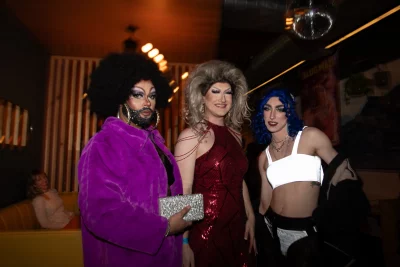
(105, 209)
(247, 202)
(250, 224)
(266, 189)
(320, 142)
(186, 154)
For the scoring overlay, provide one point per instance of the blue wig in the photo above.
(261, 133)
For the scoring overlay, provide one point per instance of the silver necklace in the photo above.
(279, 148)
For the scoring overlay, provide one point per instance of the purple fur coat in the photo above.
(121, 178)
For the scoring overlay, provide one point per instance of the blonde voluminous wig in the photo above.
(199, 82)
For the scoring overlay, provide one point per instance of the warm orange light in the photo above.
(170, 99)
(176, 89)
(84, 95)
(277, 76)
(372, 22)
(158, 58)
(171, 82)
(153, 53)
(163, 68)
(162, 63)
(147, 47)
(185, 75)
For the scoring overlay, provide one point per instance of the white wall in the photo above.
(349, 111)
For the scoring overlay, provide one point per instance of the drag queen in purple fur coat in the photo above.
(125, 168)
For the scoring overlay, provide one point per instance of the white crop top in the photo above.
(294, 168)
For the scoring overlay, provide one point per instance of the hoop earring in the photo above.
(158, 119)
(128, 113)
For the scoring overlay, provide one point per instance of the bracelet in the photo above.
(185, 240)
(168, 229)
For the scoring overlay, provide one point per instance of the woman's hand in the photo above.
(188, 256)
(177, 223)
(249, 232)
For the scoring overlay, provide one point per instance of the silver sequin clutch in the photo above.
(170, 205)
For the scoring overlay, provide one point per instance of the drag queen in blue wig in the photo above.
(290, 169)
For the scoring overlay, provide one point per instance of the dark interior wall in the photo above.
(23, 65)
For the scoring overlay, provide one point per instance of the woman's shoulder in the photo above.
(262, 159)
(188, 136)
(312, 132)
(187, 132)
(38, 199)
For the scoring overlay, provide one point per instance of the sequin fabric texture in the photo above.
(218, 240)
(170, 205)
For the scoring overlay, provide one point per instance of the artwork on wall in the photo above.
(320, 99)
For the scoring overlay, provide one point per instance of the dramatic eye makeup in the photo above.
(153, 94)
(216, 90)
(280, 108)
(137, 92)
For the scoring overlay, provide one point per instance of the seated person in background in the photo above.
(48, 206)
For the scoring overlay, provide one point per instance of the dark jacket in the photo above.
(343, 206)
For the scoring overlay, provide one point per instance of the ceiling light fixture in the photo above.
(153, 53)
(162, 63)
(308, 20)
(185, 75)
(158, 58)
(372, 22)
(163, 68)
(147, 47)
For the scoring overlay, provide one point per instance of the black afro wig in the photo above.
(111, 82)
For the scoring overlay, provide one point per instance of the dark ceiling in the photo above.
(248, 33)
(253, 38)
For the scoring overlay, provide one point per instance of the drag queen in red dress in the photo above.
(212, 162)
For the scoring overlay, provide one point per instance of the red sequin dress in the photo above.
(218, 240)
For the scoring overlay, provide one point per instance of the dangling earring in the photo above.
(128, 113)
(158, 119)
(202, 108)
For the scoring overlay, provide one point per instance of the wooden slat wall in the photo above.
(13, 125)
(176, 122)
(69, 124)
